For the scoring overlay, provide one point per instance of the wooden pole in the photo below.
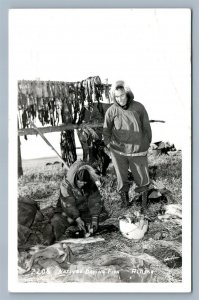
(49, 144)
(156, 121)
(20, 169)
(48, 129)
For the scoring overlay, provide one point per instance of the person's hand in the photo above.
(80, 224)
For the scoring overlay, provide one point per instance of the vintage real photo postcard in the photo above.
(100, 150)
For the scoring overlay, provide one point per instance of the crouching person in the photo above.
(80, 202)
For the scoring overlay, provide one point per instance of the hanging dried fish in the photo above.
(33, 89)
(66, 112)
(86, 136)
(52, 85)
(94, 98)
(82, 109)
(46, 112)
(38, 88)
(75, 103)
(107, 88)
(51, 106)
(44, 90)
(30, 108)
(25, 120)
(93, 149)
(21, 97)
(68, 147)
(90, 91)
(28, 88)
(58, 107)
(83, 138)
(97, 80)
(41, 116)
(19, 115)
(50, 89)
(23, 87)
(61, 102)
(60, 92)
(40, 103)
(65, 90)
(33, 107)
(79, 101)
(56, 90)
(98, 88)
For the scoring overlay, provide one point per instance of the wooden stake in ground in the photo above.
(49, 144)
(20, 170)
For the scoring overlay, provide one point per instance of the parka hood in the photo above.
(122, 84)
(77, 166)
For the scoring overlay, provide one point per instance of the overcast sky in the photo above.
(148, 48)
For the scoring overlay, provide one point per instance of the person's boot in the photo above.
(125, 198)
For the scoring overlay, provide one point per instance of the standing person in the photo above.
(127, 133)
(80, 202)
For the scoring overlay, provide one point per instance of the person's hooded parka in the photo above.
(76, 202)
(127, 129)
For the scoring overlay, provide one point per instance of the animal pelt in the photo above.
(60, 252)
(171, 211)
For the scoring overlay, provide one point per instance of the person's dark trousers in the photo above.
(139, 168)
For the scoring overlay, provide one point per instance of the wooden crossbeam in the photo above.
(48, 129)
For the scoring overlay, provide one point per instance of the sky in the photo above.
(148, 48)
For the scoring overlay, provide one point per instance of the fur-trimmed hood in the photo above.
(121, 83)
(80, 165)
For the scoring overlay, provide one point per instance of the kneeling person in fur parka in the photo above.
(80, 202)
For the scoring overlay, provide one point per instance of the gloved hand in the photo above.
(80, 224)
(94, 224)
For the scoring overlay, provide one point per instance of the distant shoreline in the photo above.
(46, 158)
(40, 158)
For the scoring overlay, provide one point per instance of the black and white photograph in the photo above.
(100, 150)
